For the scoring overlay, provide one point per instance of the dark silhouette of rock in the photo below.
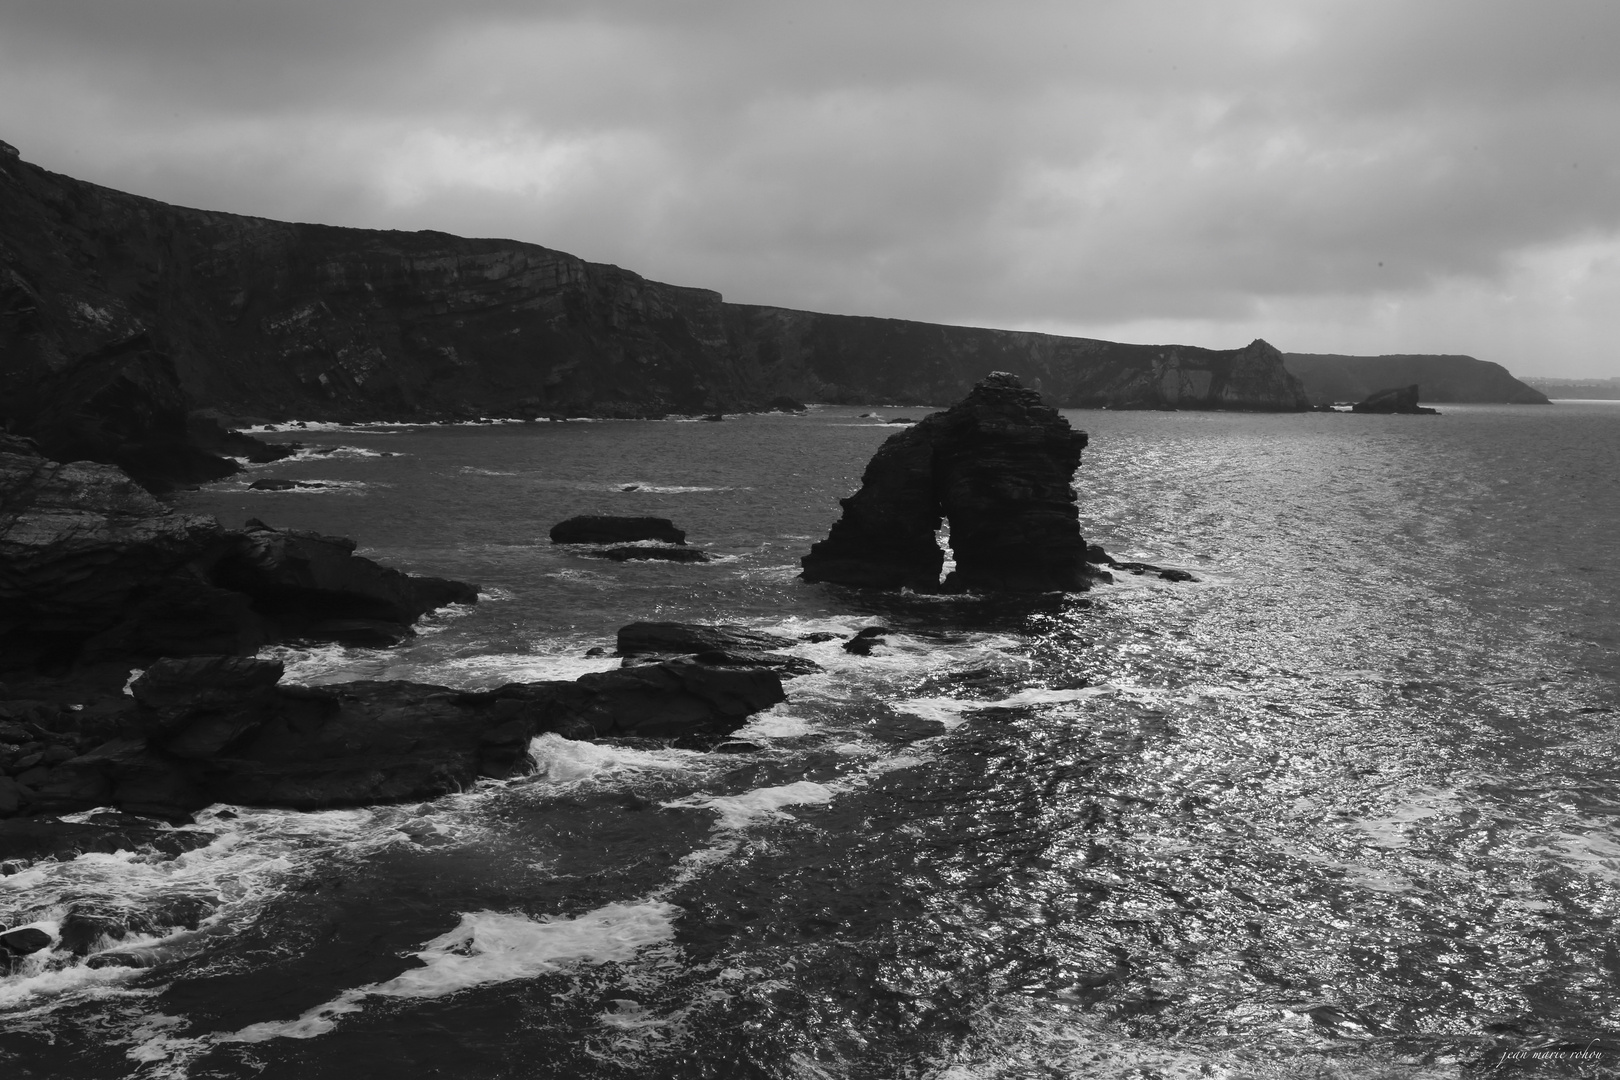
(663, 554)
(222, 729)
(270, 483)
(314, 586)
(998, 466)
(783, 403)
(25, 940)
(92, 566)
(32, 839)
(1397, 399)
(677, 639)
(607, 529)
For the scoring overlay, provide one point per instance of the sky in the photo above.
(1360, 176)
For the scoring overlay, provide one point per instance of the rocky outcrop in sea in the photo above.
(997, 467)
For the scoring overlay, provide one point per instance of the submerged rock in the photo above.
(607, 529)
(998, 467)
(659, 554)
(1397, 399)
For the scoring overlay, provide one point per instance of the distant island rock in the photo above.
(1397, 399)
(1443, 379)
(117, 312)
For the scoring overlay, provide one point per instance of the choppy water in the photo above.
(1346, 807)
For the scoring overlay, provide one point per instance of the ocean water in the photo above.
(1344, 807)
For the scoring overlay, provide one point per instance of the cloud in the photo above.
(1296, 169)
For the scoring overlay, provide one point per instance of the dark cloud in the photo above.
(1376, 175)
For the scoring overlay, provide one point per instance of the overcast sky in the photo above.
(1350, 176)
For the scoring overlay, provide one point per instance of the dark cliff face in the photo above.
(275, 319)
(1329, 377)
(860, 360)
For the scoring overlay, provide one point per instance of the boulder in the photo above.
(23, 940)
(783, 403)
(1397, 399)
(606, 529)
(998, 467)
(299, 581)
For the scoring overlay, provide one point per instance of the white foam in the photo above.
(948, 711)
(492, 947)
(633, 487)
(774, 723)
(741, 811)
(569, 761)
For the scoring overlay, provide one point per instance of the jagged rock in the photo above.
(1397, 399)
(662, 554)
(92, 566)
(783, 403)
(271, 483)
(301, 581)
(220, 729)
(998, 465)
(606, 529)
(81, 544)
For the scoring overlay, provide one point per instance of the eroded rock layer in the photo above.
(998, 467)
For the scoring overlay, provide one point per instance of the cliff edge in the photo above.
(273, 319)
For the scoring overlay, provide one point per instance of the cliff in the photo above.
(1329, 377)
(275, 319)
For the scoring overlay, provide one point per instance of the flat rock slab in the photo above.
(689, 639)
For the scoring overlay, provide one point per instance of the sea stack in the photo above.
(998, 467)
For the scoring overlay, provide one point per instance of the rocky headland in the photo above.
(128, 326)
(1330, 378)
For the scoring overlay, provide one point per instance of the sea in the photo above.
(1344, 806)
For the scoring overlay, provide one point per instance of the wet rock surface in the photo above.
(998, 467)
(201, 730)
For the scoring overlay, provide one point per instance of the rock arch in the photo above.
(998, 467)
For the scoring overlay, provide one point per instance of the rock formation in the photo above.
(1331, 378)
(998, 467)
(221, 728)
(101, 291)
(607, 529)
(1398, 399)
(92, 566)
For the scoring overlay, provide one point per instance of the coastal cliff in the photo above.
(1329, 377)
(271, 319)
